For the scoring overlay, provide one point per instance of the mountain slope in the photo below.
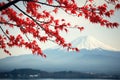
(89, 42)
(59, 60)
(94, 56)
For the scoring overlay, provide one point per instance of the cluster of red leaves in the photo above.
(35, 21)
(117, 6)
(3, 44)
(69, 6)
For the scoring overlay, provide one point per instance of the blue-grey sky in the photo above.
(106, 35)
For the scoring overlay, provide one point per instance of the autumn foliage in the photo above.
(33, 19)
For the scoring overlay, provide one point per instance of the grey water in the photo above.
(60, 79)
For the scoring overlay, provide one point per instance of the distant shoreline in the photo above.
(38, 74)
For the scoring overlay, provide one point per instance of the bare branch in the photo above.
(49, 4)
(85, 2)
(8, 4)
(4, 33)
(9, 23)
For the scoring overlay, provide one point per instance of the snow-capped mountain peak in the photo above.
(89, 42)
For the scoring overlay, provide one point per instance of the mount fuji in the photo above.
(90, 43)
(94, 56)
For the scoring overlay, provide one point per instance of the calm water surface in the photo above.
(59, 79)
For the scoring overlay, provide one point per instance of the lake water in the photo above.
(60, 79)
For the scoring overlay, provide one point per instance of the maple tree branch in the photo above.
(16, 1)
(31, 18)
(4, 33)
(9, 23)
(28, 16)
(85, 2)
(8, 4)
(48, 4)
(14, 25)
(110, 2)
(27, 37)
(20, 27)
(23, 28)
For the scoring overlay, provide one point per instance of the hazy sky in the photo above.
(107, 36)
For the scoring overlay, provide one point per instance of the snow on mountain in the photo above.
(89, 43)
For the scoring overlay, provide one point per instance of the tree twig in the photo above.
(14, 25)
(8, 4)
(4, 33)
